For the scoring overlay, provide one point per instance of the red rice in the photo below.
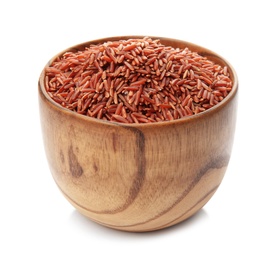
(136, 81)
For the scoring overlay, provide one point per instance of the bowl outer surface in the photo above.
(139, 177)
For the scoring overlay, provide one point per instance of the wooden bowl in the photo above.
(139, 177)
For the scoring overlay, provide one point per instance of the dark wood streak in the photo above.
(169, 223)
(75, 168)
(137, 182)
(61, 155)
(215, 164)
(191, 208)
(140, 174)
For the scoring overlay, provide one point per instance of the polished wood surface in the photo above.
(139, 177)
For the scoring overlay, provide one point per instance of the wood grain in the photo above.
(139, 177)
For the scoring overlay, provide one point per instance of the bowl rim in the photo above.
(182, 120)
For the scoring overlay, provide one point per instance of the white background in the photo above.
(36, 222)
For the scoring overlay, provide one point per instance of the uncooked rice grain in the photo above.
(136, 81)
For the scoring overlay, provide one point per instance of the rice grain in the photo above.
(136, 81)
